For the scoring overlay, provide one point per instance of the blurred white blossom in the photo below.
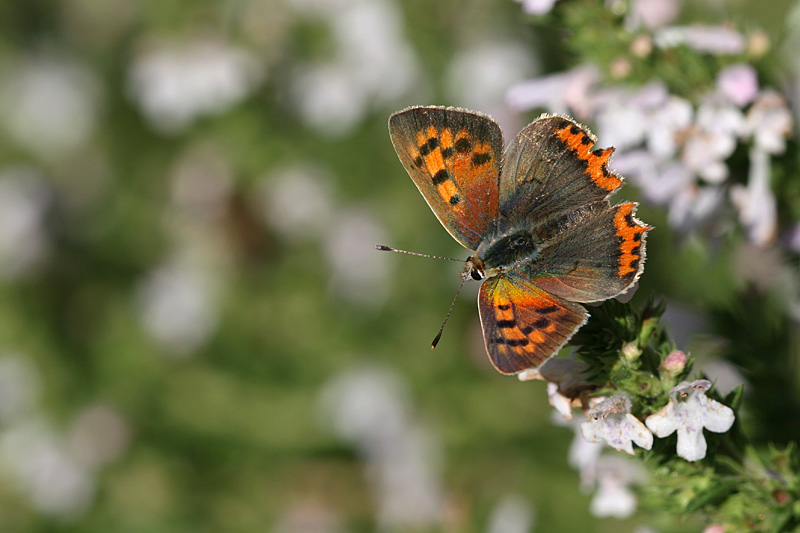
(769, 122)
(479, 76)
(371, 64)
(49, 105)
(19, 388)
(370, 409)
(174, 83)
(537, 7)
(511, 515)
(36, 459)
(177, 306)
(756, 203)
(297, 201)
(357, 272)
(24, 200)
(565, 381)
(719, 40)
(582, 455)
(738, 83)
(688, 412)
(652, 13)
(565, 92)
(611, 421)
(615, 475)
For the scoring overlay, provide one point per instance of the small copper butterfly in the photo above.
(544, 236)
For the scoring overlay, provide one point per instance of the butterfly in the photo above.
(536, 215)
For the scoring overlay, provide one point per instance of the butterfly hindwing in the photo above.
(524, 325)
(453, 156)
(550, 168)
(598, 256)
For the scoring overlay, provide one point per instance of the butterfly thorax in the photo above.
(499, 253)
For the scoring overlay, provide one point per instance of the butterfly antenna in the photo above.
(383, 248)
(446, 318)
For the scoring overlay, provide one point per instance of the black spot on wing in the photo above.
(481, 159)
(429, 146)
(440, 177)
(463, 145)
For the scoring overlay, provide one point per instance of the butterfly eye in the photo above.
(476, 274)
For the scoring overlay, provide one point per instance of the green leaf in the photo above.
(714, 494)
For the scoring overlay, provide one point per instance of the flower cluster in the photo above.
(675, 144)
(632, 391)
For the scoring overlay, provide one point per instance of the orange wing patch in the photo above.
(596, 161)
(524, 326)
(451, 161)
(630, 231)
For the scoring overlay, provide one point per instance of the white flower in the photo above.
(479, 76)
(611, 421)
(615, 475)
(24, 200)
(756, 203)
(49, 105)
(371, 64)
(19, 387)
(565, 381)
(688, 412)
(566, 92)
(36, 459)
(370, 409)
(178, 306)
(769, 122)
(718, 40)
(693, 205)
(712, 139)
(666, 124)
(174, 84)
(537, 7)
(297, 201)
(357, 272)
(652, 13)
(512, 514)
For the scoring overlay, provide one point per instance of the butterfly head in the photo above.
(474, 268)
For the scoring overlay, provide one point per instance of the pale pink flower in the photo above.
(738, 83)
(688, 412)
(719, 40)
(694, 205)
(674, 363)
(769, 122)
(652, 13)
(666, 124)
(611, 421)
(756, 202)
(566, 92)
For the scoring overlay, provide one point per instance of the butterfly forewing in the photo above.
(453, 156)
(550, 168)
(523, 325)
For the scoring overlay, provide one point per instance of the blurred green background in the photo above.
(195, 331)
